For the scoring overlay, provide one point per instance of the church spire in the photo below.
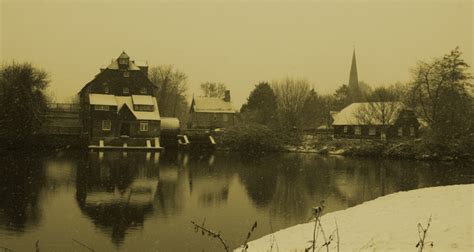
(354, 80)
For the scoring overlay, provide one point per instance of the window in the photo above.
(215, 117)
(123, 61)
(106, 90)
(125, 90)
(372, 131)
(143, 90)
(225, 117)
(400, 131)
(358, 130)
(346, 129)
(143, 107)
(106, 125)
(143, 126)
(126, 74)
(102, 107)
(412, 131)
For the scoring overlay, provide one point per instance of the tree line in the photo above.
(440, 91)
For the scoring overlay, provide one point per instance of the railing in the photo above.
(64, 107)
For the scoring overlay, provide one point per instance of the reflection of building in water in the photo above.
(117, 192)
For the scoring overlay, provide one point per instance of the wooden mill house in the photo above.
(118, 107)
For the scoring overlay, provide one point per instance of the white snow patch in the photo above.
(389, 223)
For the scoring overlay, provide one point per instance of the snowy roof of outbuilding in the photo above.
(140, 115)
(212, 105)
(102, 99)
(360, 113)
(142, 99)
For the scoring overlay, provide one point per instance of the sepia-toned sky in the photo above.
(239, 43)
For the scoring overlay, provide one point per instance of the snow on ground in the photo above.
(389, 223)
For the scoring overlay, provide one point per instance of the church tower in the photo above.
(354, 91)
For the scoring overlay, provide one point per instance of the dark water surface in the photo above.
(145, 202)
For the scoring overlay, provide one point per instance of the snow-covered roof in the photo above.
(142, 99)
(102, 99)
(140, 115)
(365, 113)
(114, 66)
(212, 105)
(140, 63)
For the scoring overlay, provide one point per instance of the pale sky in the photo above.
(239, 43)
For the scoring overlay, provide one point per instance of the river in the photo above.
(68, 201)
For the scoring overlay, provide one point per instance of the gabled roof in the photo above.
(120, 101)
(212, 105)
(123, 55)
(140, 115)
(114, 66)
(368, 113)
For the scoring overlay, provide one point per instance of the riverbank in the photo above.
(389, 223)
(401, 149)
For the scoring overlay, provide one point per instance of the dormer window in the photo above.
(125, 90)
(106, 90)
(126, 74)
(123, 61)
(142, 90)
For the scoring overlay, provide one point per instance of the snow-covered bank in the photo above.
(389, 223)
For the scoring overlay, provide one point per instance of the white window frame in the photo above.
(101, 107)
(106, 125)
(346, 129)
(125, 90)
(358, 130)
(225, 117)
(122, 61)
(106, 89)
(372, 131)
(143, 126)
(400, 131)
(412, 131)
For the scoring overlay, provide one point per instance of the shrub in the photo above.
(251, 139)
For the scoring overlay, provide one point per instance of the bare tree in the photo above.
(440, 89)
(291, 96)
(171, 90)
(213, 89)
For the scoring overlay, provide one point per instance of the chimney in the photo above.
(227, 96)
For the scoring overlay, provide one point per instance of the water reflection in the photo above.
(144, 201)
(20, 180)
(117, 191)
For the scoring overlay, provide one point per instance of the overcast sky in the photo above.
(239, 43)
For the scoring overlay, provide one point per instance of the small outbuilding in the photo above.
(375, 120)
(211, 112)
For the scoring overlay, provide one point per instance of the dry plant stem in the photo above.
(324, 236)
(37, 246)
(254, 226)
(212, 233)
(84, 245)
(422, 234)
(273, 236)
(337, 233)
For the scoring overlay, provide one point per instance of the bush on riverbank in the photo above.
(425, 148)
(251, 139)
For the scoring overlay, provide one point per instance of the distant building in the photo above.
(211, 112)
(355, 94)
(119, 103)
(376, 120)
